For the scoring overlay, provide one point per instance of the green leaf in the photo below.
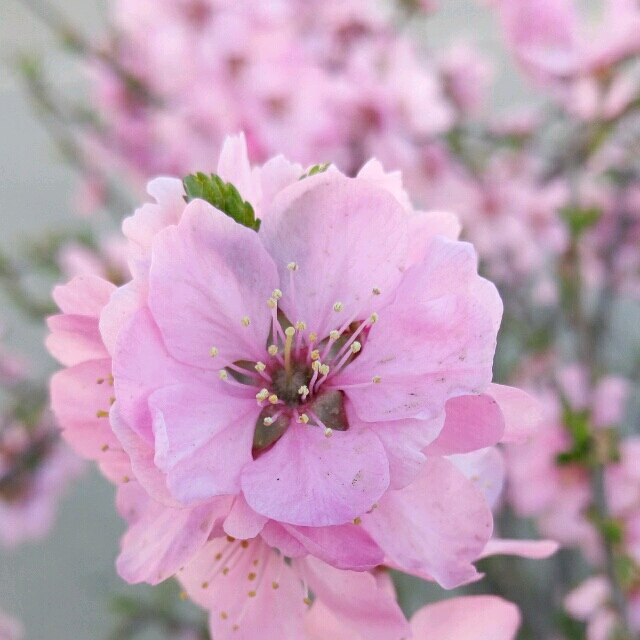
(222, 195)
(317, 168)
(579, 219)
(577, 423)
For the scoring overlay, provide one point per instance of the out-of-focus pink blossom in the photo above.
(10, 628)
(35, 469)
(109, 260)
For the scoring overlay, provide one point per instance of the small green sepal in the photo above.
(222, 195)
(317, 168)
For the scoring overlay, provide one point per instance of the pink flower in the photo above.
(35, 469)
(220, 424)
(467, 618)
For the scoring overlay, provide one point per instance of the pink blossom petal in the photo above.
(535, 549)
(345, 546)
(84, 295)
(374, 172)
(243, 522)
(467, 618)
(141, 454)
(74, 339)
(308, 479)
(125, 302)
(485, 468)
(359, 245)
(364, 606)
(203, 438)
(472, 422)
(434, 527)
(77, 395)
(163, 540)
(207, 275)
(234, 167)
(424, 226)
(276, 536)
(445, 348)
(522, 413)
(141, 365)
(248, 588)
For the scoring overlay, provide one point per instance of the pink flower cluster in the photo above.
(285, 411)
(316, 81)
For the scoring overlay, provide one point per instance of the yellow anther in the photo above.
(125, 479)
(102, 414)
(260, 366)
(376, 379)
(289, 331)
(324, 369)
(272, 303)
(275, 585)
(252, 576)
(230, 539)
(223, 615)
(307, 600)
(252, 594)
(112, 401)
(183, 595)
(245, 321)
(304, 418)
(292, 266)
(376, 291)
(262, 395)
(277, 294)
(104, 447)
(313, 336)
(111, 380)
(303, 390)
(273, 398)
(267, 421)
(357, 521)
(374, 318)
(244, 544)
(334, 335)
(300, 326)
(273, 350)
(316, 364)
(205, 584)
(315, 354)
(338, 306)
(213, 352)
(328, 432)
(100, 380)
(355, 347)
(223, 374)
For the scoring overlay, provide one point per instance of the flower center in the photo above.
(294, 384)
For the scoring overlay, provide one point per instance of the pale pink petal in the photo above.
(125, 302)
(467, 618)
(308, 479)
(485, 468)
(358, 237)
(163, 539)
(472, 422)
(276, 536)
(364, 606)
(81, 400)
(234, 167)
(74, 339)
(437, 526)
(424, 226)
(345, 546)
(535, 549)
(203, 438)
(522, 413)
(248, 588)
(207, 275)
(84, 295)
(445, 349)
(243, 522)
(141, 365)
(583, 601)
(374, 172)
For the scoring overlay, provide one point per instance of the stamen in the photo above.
(328, 432)
(376, 291)
(260, 368)
(304, 392)
(273, 350)
(277, 294)
(315, 354)
(273, 399)
(269, 420)
(289, 332)
(316, 368)
(213, 352)
(262, 395)
(338, 306)
(375, 380)
(292, 266)
(333, 336)
(356, 333)
(304, 418)
(324, 371)
(300, 327)
(222, 374)
(245, 321)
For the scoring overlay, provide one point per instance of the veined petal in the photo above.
(436, 526)
(346, 238)
(310, 480)
(84, 295)
(209, 283)
(74, 339)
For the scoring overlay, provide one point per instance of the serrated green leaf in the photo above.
(222, 195)
(317, 168)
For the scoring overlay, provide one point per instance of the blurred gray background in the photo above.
(59, 588)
